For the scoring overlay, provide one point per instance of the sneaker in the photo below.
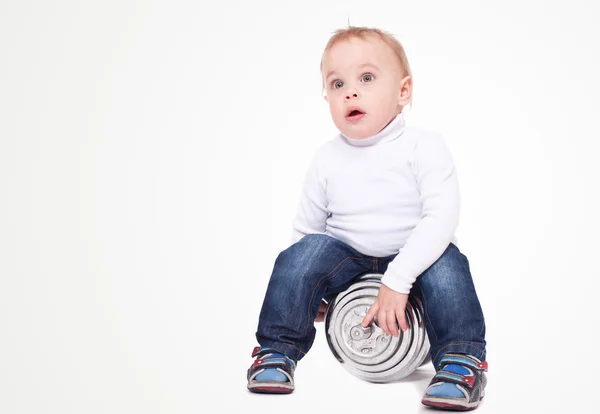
(271, 372)
(458, 385)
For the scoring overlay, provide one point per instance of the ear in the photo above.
(325, 97)
(405, 91)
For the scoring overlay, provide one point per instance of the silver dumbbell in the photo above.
(369, 353)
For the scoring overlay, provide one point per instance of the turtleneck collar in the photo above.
(392, 131)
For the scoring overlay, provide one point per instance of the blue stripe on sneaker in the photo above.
(446, 389)
(271, 374)
(457, 369)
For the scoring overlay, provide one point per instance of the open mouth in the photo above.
(354, 114)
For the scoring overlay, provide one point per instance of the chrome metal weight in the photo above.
(369, 353)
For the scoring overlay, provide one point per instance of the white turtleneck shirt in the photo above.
(394, 192)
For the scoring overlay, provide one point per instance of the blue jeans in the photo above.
(320, 266)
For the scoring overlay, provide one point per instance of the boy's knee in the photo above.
(315, 239)
(310, 246)
(306, 258)
(449, 272)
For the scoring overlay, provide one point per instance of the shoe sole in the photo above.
(449, 404)
(270, 388)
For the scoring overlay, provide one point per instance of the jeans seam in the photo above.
(426, 313)
(459, 343)
(317, 285)
(292, 346)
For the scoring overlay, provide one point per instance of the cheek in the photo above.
(385, 98)
(334, 106)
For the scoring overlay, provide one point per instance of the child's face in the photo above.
(364, 75)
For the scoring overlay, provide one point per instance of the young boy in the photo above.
(378, 198)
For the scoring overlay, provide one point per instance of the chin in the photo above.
(359, 131)
(358, 136)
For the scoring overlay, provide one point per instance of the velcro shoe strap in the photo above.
(261, 352)
(258, 351)
(447, 376)
(281, 364)
(464, 360)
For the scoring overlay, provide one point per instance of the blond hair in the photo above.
(363, 33)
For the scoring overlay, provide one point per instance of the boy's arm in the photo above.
(312, 210)
(438, 185)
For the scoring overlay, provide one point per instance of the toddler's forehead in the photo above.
(358, 51)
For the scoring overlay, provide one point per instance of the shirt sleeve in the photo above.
(437, 183)
(312, 209)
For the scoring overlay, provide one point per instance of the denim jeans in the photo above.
(320, 266)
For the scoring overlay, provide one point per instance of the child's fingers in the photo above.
(402, 319)
(391, 320)
(321, 313)
(370, 314)
(383, 322)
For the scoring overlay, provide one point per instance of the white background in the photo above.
(151, 157)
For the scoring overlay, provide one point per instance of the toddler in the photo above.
(380, 197)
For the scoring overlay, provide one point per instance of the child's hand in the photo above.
(321, 314)
(389, 308)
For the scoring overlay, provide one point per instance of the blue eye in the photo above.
(367, 77)
(337, 84)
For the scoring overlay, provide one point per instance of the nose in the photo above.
(352, 94)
